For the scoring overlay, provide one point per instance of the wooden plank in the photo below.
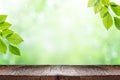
(28, 78)
(59, 78)
(89, 78)
(49, 72)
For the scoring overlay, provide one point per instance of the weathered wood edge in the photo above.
(59, 77)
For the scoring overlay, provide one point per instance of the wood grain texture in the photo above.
(49, 72)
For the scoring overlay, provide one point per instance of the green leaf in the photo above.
(113, 4)
(14, 39)
(103, 12)
(117, 22)
(106, 2)
(98, 6)
(4, 26)
(0, 33)
(7, 32)
(2, 18)
(14, 50)
(91, 3)
(107, 21)
(3, 47)
(115, 8)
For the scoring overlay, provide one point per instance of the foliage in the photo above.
(8, 38)
(105, 8)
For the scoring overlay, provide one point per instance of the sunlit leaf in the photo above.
(115, 8)
(3, 47)
(105, 2)
(91, 3)
(14, 39)
(4, 26)
(2, 18)
(103, 11)
(98, 6)
(117, 22)
(7, 32)
(113, 4)
(107, 20)
(14, 50)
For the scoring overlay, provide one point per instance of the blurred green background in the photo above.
(60, 32)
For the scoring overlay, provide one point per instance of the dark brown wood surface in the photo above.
(59, 72)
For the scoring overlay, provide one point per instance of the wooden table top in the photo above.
(58, 72)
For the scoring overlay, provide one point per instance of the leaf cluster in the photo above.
(106, 8)
(9, 40)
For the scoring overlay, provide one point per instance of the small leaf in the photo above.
(4, 26)
(115, 8)
(117, 22)
(14, 39)
(7, 32)
(105, 2)
(103, 11)
(98, 6)
(3, 47)
(14, 50)
(2, 18)
(91, 3)
(107, 21)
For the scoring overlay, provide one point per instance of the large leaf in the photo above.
(107, 20)
(2, 18)
(3, 47)
(117, 22)
(98, 6)
(103, 12)
(14, 39)
(14, 50)
(7, 32)
(115, 8)
(91, 3)
(4, 26)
